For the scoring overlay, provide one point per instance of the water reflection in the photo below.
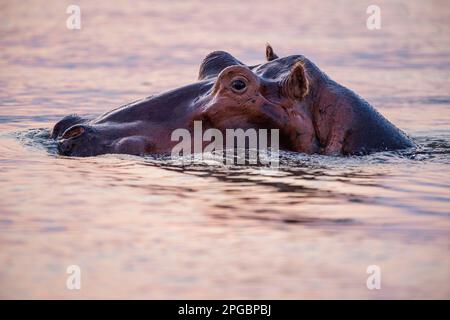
(143, 227)
(302, 182)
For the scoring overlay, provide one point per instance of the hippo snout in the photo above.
(79, 140)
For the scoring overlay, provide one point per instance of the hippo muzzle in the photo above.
(87, 141)
(81, 140)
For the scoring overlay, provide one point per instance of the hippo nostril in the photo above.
(64, 124)
(79, 140)
(73, 132)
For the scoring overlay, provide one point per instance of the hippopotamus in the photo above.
(313, 113)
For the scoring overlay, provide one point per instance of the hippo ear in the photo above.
(215, 62)
(295, 85)
(270, 54)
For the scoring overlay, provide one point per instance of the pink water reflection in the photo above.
(139, 230)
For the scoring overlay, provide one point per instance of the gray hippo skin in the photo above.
(313, 113)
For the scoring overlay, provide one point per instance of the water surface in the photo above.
(141, 227)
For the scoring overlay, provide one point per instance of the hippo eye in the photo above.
(238, 85)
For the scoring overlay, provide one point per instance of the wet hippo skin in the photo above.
(313, 113)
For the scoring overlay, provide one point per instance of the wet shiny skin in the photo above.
(143, 228)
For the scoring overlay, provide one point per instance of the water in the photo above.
(142, 227)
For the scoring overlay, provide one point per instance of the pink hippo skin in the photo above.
(313, 113)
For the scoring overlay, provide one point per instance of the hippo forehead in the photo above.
(217, 61)
(277, 68)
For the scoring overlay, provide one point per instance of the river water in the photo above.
(144, 228)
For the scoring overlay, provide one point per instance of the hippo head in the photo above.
(227, 95)
(241, 98)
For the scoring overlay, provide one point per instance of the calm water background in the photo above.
(140, 228)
